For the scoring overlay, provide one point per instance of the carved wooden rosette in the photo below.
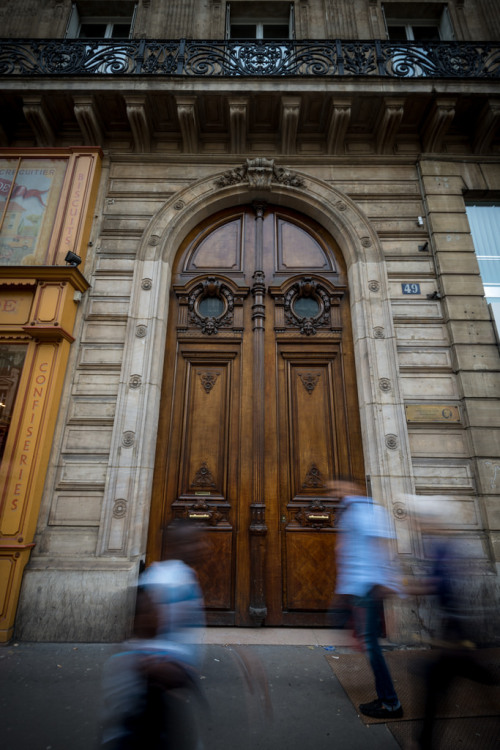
(326, 295)
(309, 380)
(313, 478)
(203, 477)
(208, 380)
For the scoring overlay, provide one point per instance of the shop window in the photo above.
(90, 21)
(261, 20)
(422, 22)
(484, 222)
(29, 195)
(11, 366)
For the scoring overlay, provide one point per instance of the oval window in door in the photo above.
(306, 307)
(211, 307)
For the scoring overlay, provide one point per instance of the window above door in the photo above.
(260, 20)
(96, 20)
(419, 22)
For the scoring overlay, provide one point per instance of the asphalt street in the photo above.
(258, 697)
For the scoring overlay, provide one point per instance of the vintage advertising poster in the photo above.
(29, 194)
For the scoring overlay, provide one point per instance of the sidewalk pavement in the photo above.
(50, 694)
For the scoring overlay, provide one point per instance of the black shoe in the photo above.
(378, 710)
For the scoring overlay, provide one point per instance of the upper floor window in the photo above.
(484, 222)
(88, 21)
(261, 20)
(426, 22)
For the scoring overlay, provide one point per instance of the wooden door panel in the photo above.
(205, 437)
(313, 429)
(310, 570)
(220, 248)
(298, 250)
(312, 443)
(313, 421)
(216, 575)
(204, 451)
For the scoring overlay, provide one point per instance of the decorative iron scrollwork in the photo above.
(208, 58)
(215, 289)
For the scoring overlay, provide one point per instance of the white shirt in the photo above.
(363, 552)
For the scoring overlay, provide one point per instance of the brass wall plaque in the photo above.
(432, 413)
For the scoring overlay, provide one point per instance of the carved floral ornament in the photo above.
(314, 478)
(128, 439)
(260, 173)
(203, 477)
(309, 380)
(208, 380)
(120, 508)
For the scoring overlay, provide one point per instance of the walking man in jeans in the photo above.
(365, 572)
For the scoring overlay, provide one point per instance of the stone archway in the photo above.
(383, 422)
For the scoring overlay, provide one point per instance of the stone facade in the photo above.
(388, 177)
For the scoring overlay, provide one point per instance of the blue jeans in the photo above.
(368, 627)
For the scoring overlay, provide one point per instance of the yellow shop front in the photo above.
(46, 201)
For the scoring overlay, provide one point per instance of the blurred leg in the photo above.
(383, 681)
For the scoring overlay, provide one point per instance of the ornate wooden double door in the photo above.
(259, 411)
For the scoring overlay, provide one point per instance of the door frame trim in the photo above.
(383, 423)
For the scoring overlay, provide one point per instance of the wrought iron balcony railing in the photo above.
(150, 57)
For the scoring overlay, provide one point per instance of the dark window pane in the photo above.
(211, 307)
(397, 33)
(120, 31)
(11, 367)
(92, 30)
(243, 31)
(426, 33)
(276, 31)
(306, 307)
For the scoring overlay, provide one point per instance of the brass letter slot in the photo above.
(200, 515)
(318, 517)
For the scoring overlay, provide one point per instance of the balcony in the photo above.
(216, 98)
(188, 58)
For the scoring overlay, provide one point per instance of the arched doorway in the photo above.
(259, 411)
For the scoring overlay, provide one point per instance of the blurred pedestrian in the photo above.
(142, 704)
(458, 626)
(366, 573)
